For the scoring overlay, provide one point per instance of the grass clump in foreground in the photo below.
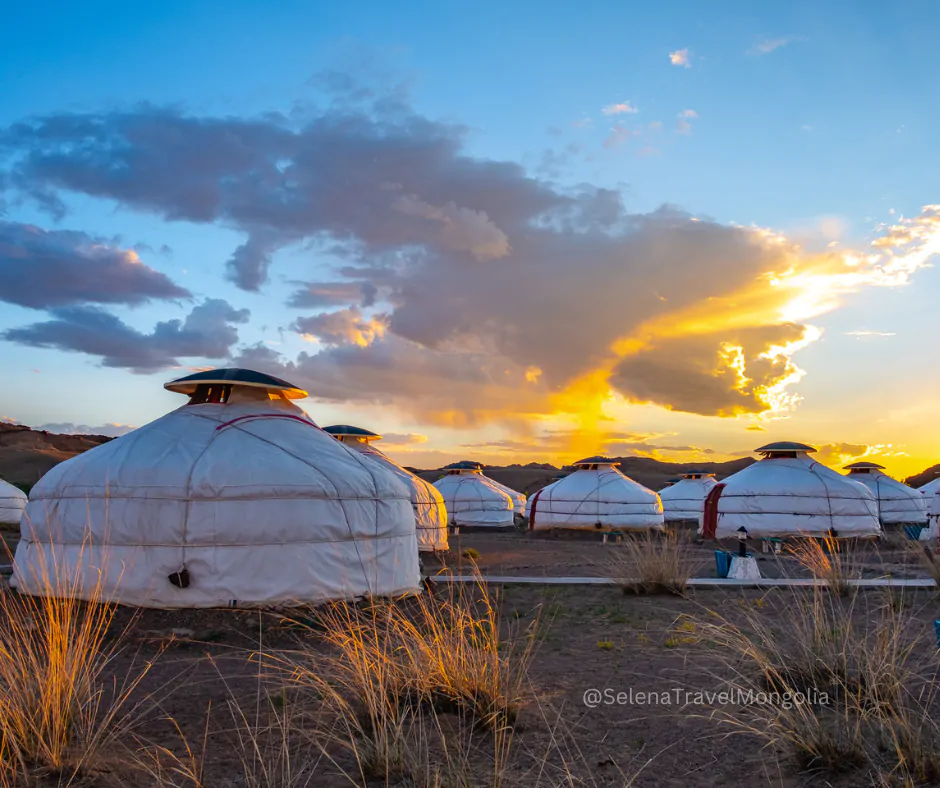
(830, 560)
(58, 713)
(427, 692)
(653, 563)
(841, 684)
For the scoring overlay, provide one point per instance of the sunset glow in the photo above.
(639, 265)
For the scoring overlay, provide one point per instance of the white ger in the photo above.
(898, 504)
(931, 493)
(427, 502)
(684, 500)
(236, 498)
(596, 496)
(12, 503)
(786, 494)
(475, 500)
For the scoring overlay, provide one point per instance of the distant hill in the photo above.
(920, 479)
(26, 454)
(650, 473)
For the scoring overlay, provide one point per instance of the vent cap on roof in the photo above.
(234, 377)
(863, 466)
(597, 460)
(783, 447)
(464, 465)
(696, 474)
(339, 430)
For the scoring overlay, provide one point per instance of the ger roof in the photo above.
(346, 429)
(772, 448)
(463, 465)
(235, 376)
(861, 465)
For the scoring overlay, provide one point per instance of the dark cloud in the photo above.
(386, 177)
(205, 333)
(45, 269)
(316, 295)
(719, 374)
(497, 290)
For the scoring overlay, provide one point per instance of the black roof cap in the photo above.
(235, 376)
(597, 460)
(463, 465)
(871, 466)
(346, 429)
(773, 448)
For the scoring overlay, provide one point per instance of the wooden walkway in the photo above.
(695, 582)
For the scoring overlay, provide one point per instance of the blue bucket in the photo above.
(913, 532)
(722, 562)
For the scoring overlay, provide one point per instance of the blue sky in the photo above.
(813, 120)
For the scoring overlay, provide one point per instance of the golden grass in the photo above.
(828, 559)
(58, 713)
(427, 693)
(866, 673)
(653, 564)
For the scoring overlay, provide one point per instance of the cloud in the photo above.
(205, 333)
(344, 327)
(474, 291)
(619, 134)
(43, 269)
(764, 46)
(870, 333)
(683, 125)
(403, 438)
(623, 108)
(382, 178)
(461, 229)
(838, 455)
(681, 57)
(324, 294)
(111, 430)
(569, 445)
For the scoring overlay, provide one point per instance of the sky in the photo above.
(508, 232)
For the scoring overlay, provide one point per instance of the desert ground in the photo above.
(302, 697)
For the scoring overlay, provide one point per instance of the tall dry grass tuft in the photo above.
(829, 560)
(926, 556)
(58, 712)
(408, 689)
(841, 684)
(653, 564)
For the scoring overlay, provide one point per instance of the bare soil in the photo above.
(520, 553)
(591, 638)
(207, 663)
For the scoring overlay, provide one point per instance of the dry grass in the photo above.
(926, 556)
(830, 560)
(424, 693)
(653, 564)
(58, 713)
(852, 683)
(398, 669)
